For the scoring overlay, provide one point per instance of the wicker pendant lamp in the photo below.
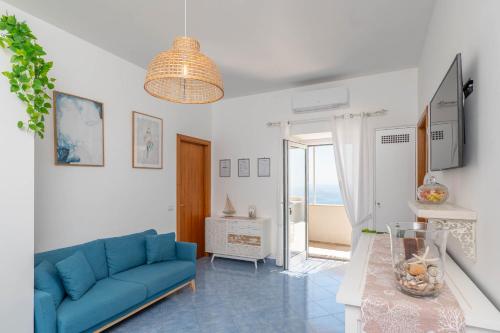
(183, 74)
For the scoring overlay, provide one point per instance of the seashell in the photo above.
(417, 269)
(422, 286)
(433, 271)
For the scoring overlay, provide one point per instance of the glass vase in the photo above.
(418, 257)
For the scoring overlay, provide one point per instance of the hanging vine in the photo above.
(28, 77)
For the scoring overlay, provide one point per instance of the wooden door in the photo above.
(193, 190)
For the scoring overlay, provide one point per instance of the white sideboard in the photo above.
(240, 238)
(480, 314)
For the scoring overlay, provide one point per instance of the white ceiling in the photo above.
(259, 45)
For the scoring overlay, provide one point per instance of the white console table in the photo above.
(239, 238)
(480, 314)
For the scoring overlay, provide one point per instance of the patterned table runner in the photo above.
(385, 309)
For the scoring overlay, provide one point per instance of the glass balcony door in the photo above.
(296, 203)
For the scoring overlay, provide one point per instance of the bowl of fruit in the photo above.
(432, 192)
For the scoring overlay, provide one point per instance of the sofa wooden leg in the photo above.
(192, 284)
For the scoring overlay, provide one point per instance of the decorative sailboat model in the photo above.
(228, 208)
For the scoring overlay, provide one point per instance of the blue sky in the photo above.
(327, 185)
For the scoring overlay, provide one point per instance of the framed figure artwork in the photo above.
(147, 141)
(78, 131)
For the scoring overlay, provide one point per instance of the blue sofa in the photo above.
(125, 283)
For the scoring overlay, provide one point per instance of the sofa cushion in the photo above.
(94, 252)
(160, 247)
(108, 297)
(159, 276)
(126, 252)
(47, 279)
(76, 274)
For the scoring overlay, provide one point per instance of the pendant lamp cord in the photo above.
(185, 18)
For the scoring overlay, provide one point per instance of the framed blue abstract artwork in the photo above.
(147, 144)
(78, 131)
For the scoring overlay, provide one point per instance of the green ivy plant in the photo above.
(29, 75)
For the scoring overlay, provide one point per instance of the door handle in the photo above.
(378, 204)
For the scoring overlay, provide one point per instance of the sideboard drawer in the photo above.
(242, 250)
(240, 239)
(244, 228)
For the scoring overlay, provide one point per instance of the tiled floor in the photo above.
(232, 297)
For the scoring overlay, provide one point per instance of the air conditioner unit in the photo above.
(320, 100)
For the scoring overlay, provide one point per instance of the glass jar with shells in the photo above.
(418, 257)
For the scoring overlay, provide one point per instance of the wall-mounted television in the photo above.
(446, 135)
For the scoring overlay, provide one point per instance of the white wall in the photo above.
(77, 204)
(239, 131)
(329, 224)
(472, 28)
(16, 210)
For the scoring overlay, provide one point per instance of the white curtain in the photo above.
(284, 135)
(350, 144)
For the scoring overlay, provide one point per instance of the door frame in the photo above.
(207, 149)
(286, 249)
(422, 146)
(422, 150)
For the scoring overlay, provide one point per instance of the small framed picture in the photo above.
(264, 167)
(147, 145)
(225, 168)
(244, 167)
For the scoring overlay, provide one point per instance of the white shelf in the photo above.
(480, 314)
(444, 211)
(460, 221)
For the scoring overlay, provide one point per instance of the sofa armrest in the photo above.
(45, 313)
(186, 251)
